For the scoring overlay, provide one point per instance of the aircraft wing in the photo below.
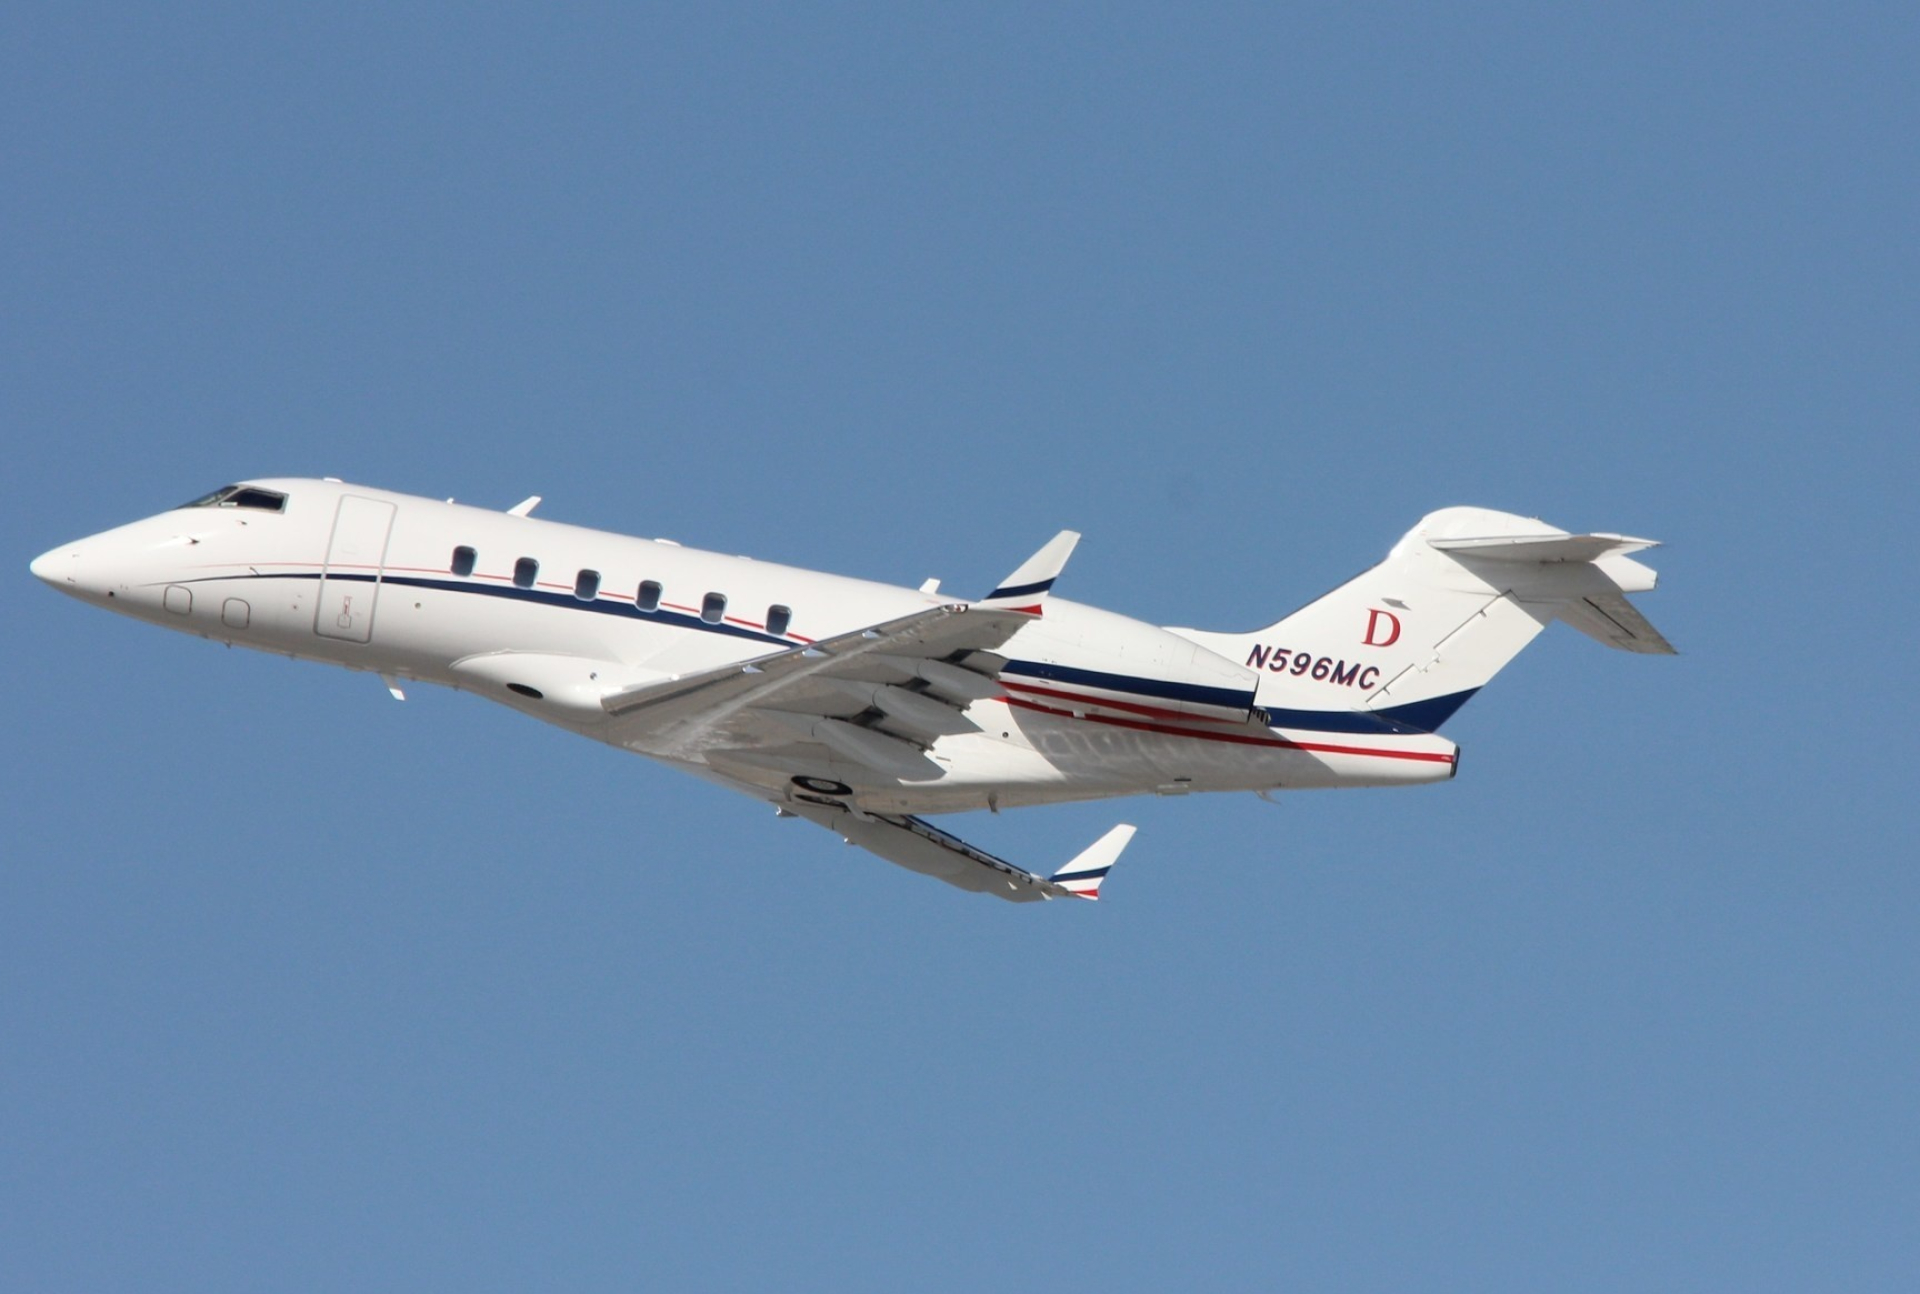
(921, 847)
(792, 724)
(875, 696)
(907, 664)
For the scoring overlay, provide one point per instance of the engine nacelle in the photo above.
(1153, 672)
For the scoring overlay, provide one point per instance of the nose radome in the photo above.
(55, 566)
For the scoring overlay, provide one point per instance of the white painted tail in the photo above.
(1456, 599)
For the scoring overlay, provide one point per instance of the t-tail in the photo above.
(1412, 639)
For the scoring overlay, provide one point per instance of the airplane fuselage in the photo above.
(553, 620)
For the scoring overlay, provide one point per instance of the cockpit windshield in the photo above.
(241, 496)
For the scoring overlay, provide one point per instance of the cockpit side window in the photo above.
(241, 496)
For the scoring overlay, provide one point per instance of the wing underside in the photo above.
(921, 847)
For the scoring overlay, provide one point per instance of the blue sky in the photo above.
(302, 989)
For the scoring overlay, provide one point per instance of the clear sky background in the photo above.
(301, 989)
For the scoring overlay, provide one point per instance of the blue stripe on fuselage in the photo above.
(1428, 715)
(1357, 721)
(1161, 689)
(1417, 717)
(540, 597)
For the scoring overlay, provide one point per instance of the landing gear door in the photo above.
(356, 558)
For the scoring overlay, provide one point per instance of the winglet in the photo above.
(1081, 877)
(1026, 589)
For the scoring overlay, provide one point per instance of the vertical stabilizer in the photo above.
(1457, 598)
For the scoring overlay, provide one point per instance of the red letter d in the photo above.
(1374, 624)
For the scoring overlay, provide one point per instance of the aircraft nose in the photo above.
(55, 566)
(72, 568)
(108, 569)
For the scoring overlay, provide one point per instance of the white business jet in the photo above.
(858, 705)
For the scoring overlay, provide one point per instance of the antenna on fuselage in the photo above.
(525, 507)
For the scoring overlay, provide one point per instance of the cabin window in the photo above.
(525, 572)
(778, 618)
(713, 608)
(586, 585)
(463, 560)
(648, 598)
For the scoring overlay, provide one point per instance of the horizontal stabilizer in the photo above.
(1544, 548)
(1596, 604)
(1026, 589)
(1611, 619)
(920, 846)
